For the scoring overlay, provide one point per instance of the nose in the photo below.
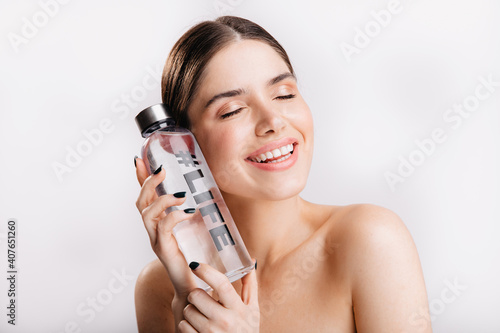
(269, 119)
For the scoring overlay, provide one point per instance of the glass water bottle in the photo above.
(210, 235)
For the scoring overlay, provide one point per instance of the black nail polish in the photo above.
(135, 160)
(180, 194)
(157, 171)
(194, 265)
(189, 210)
(255, 264)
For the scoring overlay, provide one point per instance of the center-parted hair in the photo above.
(190, 55)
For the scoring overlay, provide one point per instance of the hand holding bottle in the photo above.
(160, 226)
(209, 235)
(193, 308)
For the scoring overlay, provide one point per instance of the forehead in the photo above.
(242, 64)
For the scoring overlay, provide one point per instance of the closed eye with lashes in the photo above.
(232, 113)
(286, 96)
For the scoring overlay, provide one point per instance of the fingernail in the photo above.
(180, 194)
(189, 210)
(255, 264)
(135, 162)
(194, 265)
(157, 171)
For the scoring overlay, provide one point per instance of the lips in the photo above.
(274, 152)
(276, 155)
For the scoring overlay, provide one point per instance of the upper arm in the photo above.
(153, 299)
(388, 288)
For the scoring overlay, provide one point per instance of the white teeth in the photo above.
(276, 153)
(282, 151)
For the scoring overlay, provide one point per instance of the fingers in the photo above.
(154, 210)
(148, 194)
(205, 305)
(209, 309)
(168, 223)
(185, 327)
(155, 219)
(167, 249)
(229, 313)
(250, 287)
(140, 170)
(228, 296)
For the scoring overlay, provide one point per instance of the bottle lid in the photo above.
(154, 117)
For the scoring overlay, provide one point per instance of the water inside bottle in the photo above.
(212, 238)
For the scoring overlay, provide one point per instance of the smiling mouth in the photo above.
(274, 156)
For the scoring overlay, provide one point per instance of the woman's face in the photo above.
(248, 108)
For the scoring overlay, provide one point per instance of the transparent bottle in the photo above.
(210, 235)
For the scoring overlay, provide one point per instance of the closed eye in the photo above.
(285, 96)
(232, 113)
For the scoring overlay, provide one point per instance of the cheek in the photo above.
(304, 121)
(308, 120)
(210, 147)
(223, 152)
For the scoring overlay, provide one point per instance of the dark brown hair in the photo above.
(190, 55)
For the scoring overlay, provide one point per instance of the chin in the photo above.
(290, 189)
(271, 192)
(278, 195)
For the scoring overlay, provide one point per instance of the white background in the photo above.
(83, 62)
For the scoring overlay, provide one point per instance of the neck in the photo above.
(270, 229)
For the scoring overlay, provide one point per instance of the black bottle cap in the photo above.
(154, 117)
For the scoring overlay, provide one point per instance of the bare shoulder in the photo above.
(153, 299)
(366, 215)
(359, 225)
(365, 225)
(383, 266)
(370, 233)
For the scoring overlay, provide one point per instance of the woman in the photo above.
(320, 268)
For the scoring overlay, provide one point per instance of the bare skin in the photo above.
(320, 268)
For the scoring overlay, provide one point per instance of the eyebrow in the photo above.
(237, 92)
(280, 78)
